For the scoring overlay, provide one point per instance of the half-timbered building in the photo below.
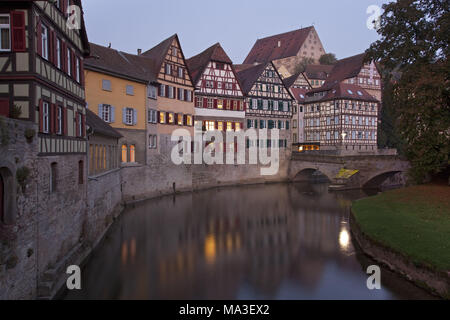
(344, 117)
(298, 123)
(219, 101)
(173, 107)
(269, 104)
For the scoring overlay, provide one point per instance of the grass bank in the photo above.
(414, 222)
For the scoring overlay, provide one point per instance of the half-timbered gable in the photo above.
(219, 101)
(173, 107)
(298, 80)
(269, 103)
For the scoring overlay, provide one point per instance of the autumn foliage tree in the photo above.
(414, 47)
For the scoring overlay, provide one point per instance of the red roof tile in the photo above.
(267, 49)
(299, 94)
(345, 69)
(318, 71)
(344, 91)
(248, 77)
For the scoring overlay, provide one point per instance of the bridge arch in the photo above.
(378, 179)
(311, 175)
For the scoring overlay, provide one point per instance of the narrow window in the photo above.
(5, 33)
(59, 120)
(58, 53)
(44, 42)
(45, 117)
(124, 153)
(77, 69)
(132, 153)
(69, 61)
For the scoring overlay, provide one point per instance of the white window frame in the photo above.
(151, 92)
(59, 119)
(189, 96)
(58, 53)
(106, 113)
(69, 62)
(8, 27)
(129, 116)
(45, 117)
(44, 42)
(181, 95)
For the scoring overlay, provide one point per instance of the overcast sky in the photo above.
(236, 24)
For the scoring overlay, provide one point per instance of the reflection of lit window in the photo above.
(238, 126)
(132, 154)
(229, 126)
(220, 126)
(124, 153)
(210, 126)
(344, 239)
(210, 249)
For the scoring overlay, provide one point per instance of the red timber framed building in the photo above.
(219, 101)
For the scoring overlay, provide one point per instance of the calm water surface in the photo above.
(283, 241)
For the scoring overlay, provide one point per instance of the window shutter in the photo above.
(39, 38)
(100, 111)
(184, 120)
(83, 125)
(233, 125)
(65, 121)
(256, 124)
(215, 103)
(55, 52)
(74, 64)
(185, 94)
(4, 107)
(239, 105)
(205, 102)
(50, 46)
(249, 123)
(64, 56)
(158, 114)
(134, 117)
(216, 125)
(113, 114)
(52, 118)
(124, 115)
(215, 84)
(18, 31)
(64, 7)
(159, 90)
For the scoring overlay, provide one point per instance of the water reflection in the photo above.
(259, 242)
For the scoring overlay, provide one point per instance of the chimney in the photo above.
(139, 52)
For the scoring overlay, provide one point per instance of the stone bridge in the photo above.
(370, 171)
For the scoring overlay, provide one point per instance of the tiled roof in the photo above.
(198, 63)
(318, 71)
(99, 126)
(248, 77)
(267, 49)
(344, 91)
(242, 67)
(289, 82)
(119, 63)
(159, 52)
(299, 94)
(345, 69)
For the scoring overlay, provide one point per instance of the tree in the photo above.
(301, 66)
(414, 44)
(328, 58)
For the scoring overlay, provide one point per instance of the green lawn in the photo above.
(414, 221)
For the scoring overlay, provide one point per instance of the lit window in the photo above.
(189, 120)
(124, 153)
(210, 126)
(180, 119)
(162, 117)
(220, 104)
(5, 33)
(171, 118)
(132, 154)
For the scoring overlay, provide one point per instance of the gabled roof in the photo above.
(198, 63)
(83, 32)
(343, 90)
(249, 76)
(318, 71)
(121, 64)
(345, 69)
(242, 67)
(267, 49)
(159, 52)
(99, 126)
(299, 94)
(289, 82)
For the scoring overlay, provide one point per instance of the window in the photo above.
(209, 84)
(229, 126)
(106, 85)
(198, 102)
(5, 33)
(80, 172)
(130, 90)
(59, 120)
(106, 113)
(174, 51)
(77, 66)
(44, 40)
(45, 117)
(238, 126)
(162, 117)
(171, 118)
(189, 120)
(189, 95)
(180, 119)
(58, 53)
(171, 92)
(210, 125)
(132, 153)
(129, 116)
(151, 92)
(180, 72)
(265, 104)
(294, 124)
(219, 104)
(168, 68)
(53, 176)
(152, 116)
(210, 103)
(124, 153)
(181, 94)
(80, 125)
(69, 61)
(152, 141)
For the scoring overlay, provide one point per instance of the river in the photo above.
(280, 241)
